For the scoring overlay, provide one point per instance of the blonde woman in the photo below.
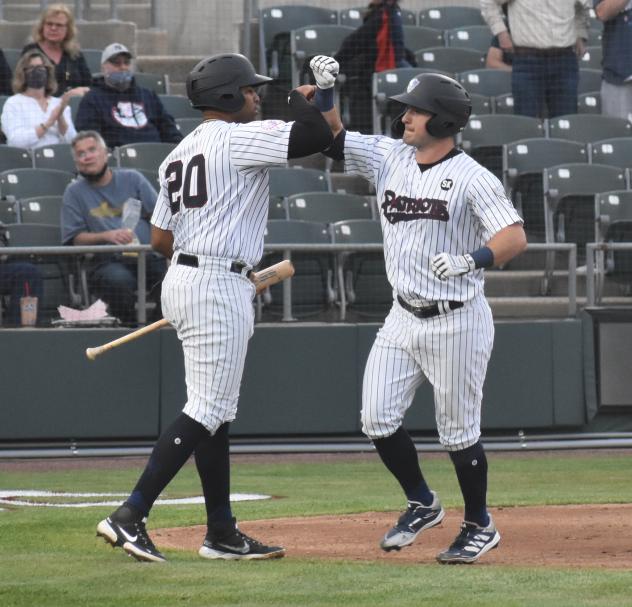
(33, 117)
(55, 35)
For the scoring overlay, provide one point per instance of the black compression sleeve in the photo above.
(310, 132)
(336, 151)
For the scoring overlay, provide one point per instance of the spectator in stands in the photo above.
(33, 117)
(55, 36)
(616, 86)
(498, 58)
(5, 75)
(377, 45)
(122, 111)
(16, 279)
(547, 39)
(92, 214)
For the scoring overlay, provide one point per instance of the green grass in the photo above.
(50, 557)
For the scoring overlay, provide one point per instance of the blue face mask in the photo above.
(120, 81)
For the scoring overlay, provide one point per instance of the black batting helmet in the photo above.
(215, 82)
(444, 98)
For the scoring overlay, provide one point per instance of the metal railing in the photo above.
(596, 267)
(287, 250)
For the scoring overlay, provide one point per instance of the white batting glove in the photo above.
(445, 265)
(325, 71)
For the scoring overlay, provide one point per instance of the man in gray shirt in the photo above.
(547, 38)
(92, 214)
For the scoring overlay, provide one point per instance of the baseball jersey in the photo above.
(454, 206)
(214, 188)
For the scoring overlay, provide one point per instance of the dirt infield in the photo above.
(556, 536)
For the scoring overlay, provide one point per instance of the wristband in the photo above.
(324, 99)
(483, 257)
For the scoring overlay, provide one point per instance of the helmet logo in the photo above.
(412, 84)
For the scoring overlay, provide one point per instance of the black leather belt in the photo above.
(184, 259)
(544, 52)
(427, 311)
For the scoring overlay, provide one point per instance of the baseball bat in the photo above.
(262, 280)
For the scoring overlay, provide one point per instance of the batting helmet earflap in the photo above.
(215, 82)
(444, 98)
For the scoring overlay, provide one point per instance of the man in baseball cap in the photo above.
(120, 110)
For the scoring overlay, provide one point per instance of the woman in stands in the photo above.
(55, 35)
(33, 117)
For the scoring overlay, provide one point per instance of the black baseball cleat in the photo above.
(132, 537)
(411, 523)
(226, 541)
(472, 543)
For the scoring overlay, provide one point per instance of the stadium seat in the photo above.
(361, 276)
(328, 207)
(14, 158)
(352, 17)
(589, 80)
(306, 42)
(477, 37)
(57, 156)
(503, 104)
(616, 151)
(275, 24)
(277, 208)
(151, 176)
(488, 82)
(159, 83)
(12, 55)
(287, 181)
(449, 17)
(56, 288)
(592, 58)
(93, 59)
(569, 191)
(523, 164)
(451, 60)
(41, 209)
(312, 284)
(589, 103)
(25, 183)
(188, 125)
(146, 156)
(351, 184)
(588, 127)
(613, 223)
(9, 211)
(480, 104)
(484, 136)
(179, 106)
(416, 37)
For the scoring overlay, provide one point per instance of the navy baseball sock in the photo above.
(212, 458)
(400, 456)
(471, 470)
(170, 453)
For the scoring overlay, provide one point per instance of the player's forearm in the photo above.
(87, 239)
(607, 9)
(507, 243)
(162, 241)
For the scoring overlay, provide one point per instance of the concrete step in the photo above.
(138, 13)
(544, 307)
(152, 42)
(177, 67)
(92, 34)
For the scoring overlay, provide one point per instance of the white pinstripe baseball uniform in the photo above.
(453, 206)
(214, 198)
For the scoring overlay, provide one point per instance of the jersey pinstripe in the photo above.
(455, 206)
(227, 162)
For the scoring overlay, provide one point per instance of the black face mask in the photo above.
(95, 176)
(37, 77)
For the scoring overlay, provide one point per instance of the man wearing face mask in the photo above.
(119, 109)
(93, 213)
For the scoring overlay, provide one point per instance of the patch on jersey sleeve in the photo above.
(272, 125)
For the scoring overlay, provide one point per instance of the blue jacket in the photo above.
(133, 116)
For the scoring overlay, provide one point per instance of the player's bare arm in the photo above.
(162, 241)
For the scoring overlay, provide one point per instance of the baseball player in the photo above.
(210, 219)
(445, 218)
